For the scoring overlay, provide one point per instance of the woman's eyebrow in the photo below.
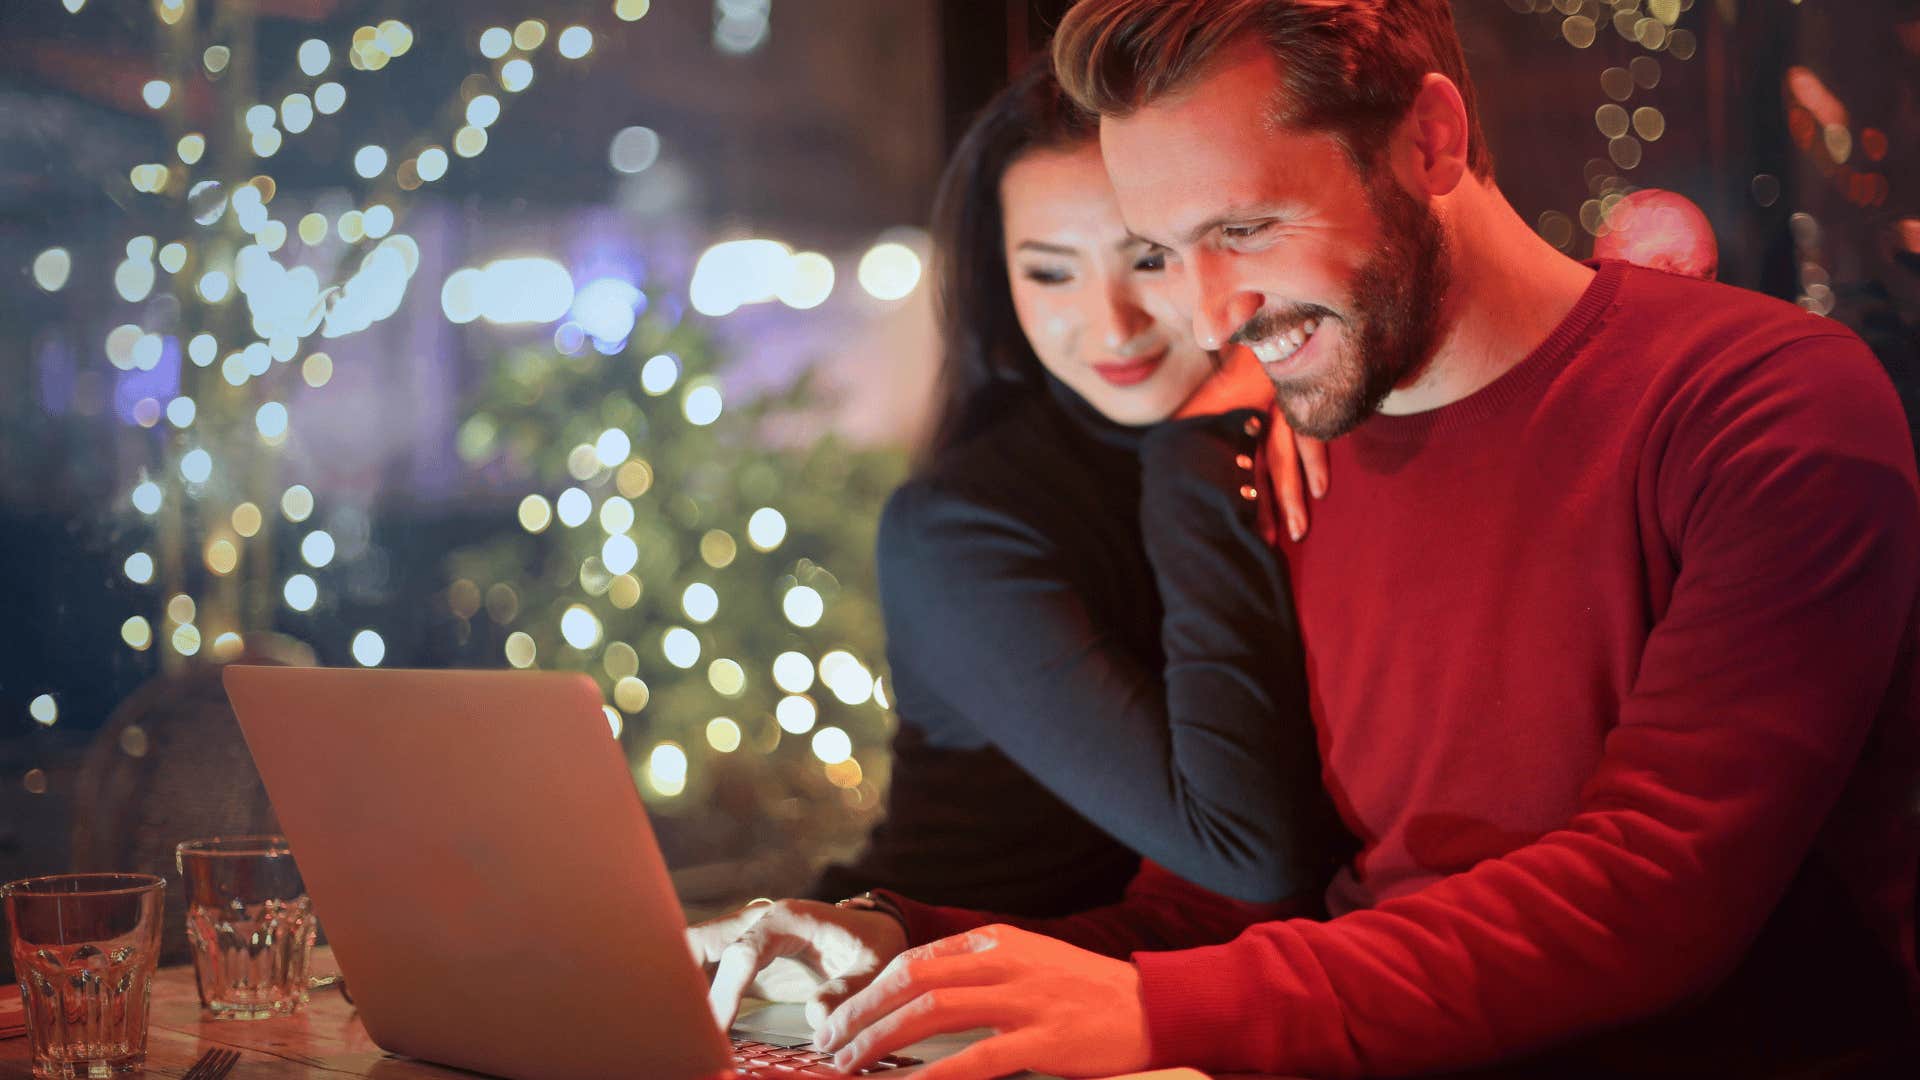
(1046, 248)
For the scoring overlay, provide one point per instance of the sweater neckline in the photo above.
(1516, 382)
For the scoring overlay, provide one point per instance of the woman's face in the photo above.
(1093, 301)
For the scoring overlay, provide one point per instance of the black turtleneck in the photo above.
(1094, 659)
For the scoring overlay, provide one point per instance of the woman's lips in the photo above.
(1130, 372)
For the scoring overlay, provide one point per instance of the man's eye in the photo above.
(1244, 232)
(1151, 262)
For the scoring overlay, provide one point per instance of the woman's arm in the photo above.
(1209, 767)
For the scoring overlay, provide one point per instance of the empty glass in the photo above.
(84, 950)
(250, 925)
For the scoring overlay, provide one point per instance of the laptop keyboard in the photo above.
(771, 1061)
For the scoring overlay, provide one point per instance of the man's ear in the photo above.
(1430, 146)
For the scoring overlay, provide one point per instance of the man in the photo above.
(1610, 626)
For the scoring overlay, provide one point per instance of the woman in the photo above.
(1093, 653)
(1028, 579)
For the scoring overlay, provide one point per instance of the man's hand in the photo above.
(1297, 464)
(842, 948)
(1054, 1008)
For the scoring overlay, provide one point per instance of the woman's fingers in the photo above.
(1313, 462)
(1283, 465)
(740, 961)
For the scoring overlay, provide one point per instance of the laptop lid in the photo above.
(484, 868)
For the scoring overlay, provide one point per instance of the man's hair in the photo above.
(1350, 67)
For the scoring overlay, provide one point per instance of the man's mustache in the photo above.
(1269, 323)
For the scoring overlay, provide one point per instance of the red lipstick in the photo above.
(1130, 372)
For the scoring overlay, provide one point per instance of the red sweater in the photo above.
(1606, 659)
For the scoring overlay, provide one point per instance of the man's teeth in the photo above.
(1285, 344)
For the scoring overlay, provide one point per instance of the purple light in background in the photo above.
(161, 384)
(54, 358)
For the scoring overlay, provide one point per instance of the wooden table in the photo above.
(323, 1039)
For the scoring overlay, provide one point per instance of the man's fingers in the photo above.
(1313, 462)
(935, 1012)
(908, 977)
(996, 1056)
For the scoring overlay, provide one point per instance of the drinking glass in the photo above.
(84, 950)
(250, 925)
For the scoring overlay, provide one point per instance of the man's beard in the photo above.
(1393, 326)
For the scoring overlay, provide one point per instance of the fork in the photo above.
(213, 1065)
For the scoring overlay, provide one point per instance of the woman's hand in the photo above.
(1296, 464)
(842, 948)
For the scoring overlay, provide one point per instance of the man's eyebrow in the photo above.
(1045, 248)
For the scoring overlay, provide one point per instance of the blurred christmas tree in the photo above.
(712, 573)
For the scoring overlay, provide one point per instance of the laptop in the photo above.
(483, 865)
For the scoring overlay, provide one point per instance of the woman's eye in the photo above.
(1044, 275)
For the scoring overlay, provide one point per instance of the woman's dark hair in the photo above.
(985, 358)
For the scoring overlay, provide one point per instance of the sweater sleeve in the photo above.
(1159, 911)
(1789, 500)
(1209, 767)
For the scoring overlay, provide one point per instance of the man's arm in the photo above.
(1159, 911)
(1795, 521)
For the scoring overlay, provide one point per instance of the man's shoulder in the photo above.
(1709, 326)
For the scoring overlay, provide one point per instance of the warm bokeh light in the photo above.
(520, 649)
(631, 694)
(137, 633)
(723, 734)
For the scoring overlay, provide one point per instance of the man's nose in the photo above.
(1220, 304)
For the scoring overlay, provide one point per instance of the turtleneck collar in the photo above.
(1091, 420)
